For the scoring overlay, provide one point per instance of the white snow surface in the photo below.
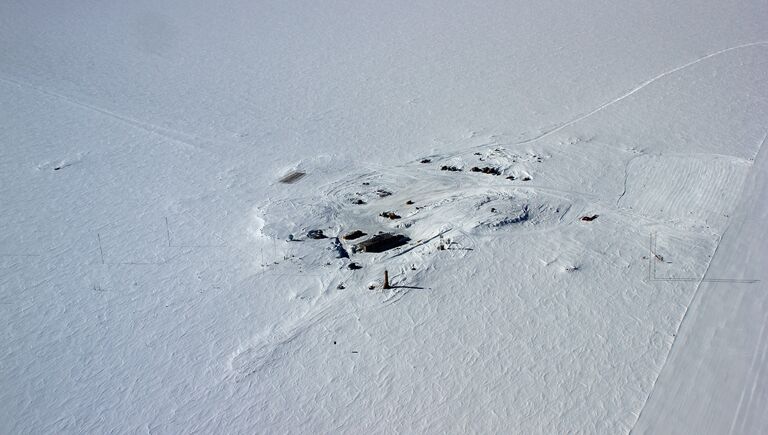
(147, 279)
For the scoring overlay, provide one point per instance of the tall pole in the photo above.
(386, 280)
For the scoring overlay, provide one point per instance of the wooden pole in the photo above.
(386, 280)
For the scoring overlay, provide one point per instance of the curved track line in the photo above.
(626, 177)
(641, 86)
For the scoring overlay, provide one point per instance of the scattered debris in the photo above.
(449, 168)
(358, 201)
(589, 218)
(354, 266)
(486, 170)
(383, 193)
(352, 235)
(365, 183)
(478, 154)
(444, 244)
(381, 242)
(523, 216)
(572, 268)
(426, 161)
(292, 177)
(316, 234)
(390, 215)
(526, 178)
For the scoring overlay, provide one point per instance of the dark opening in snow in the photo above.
(382, 242)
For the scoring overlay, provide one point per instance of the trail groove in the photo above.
(641, 86)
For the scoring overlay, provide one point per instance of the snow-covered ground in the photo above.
(147, 279)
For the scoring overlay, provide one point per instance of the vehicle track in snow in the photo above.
(641, 86)
(173, 135)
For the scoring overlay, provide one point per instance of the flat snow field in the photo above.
(162, 163)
